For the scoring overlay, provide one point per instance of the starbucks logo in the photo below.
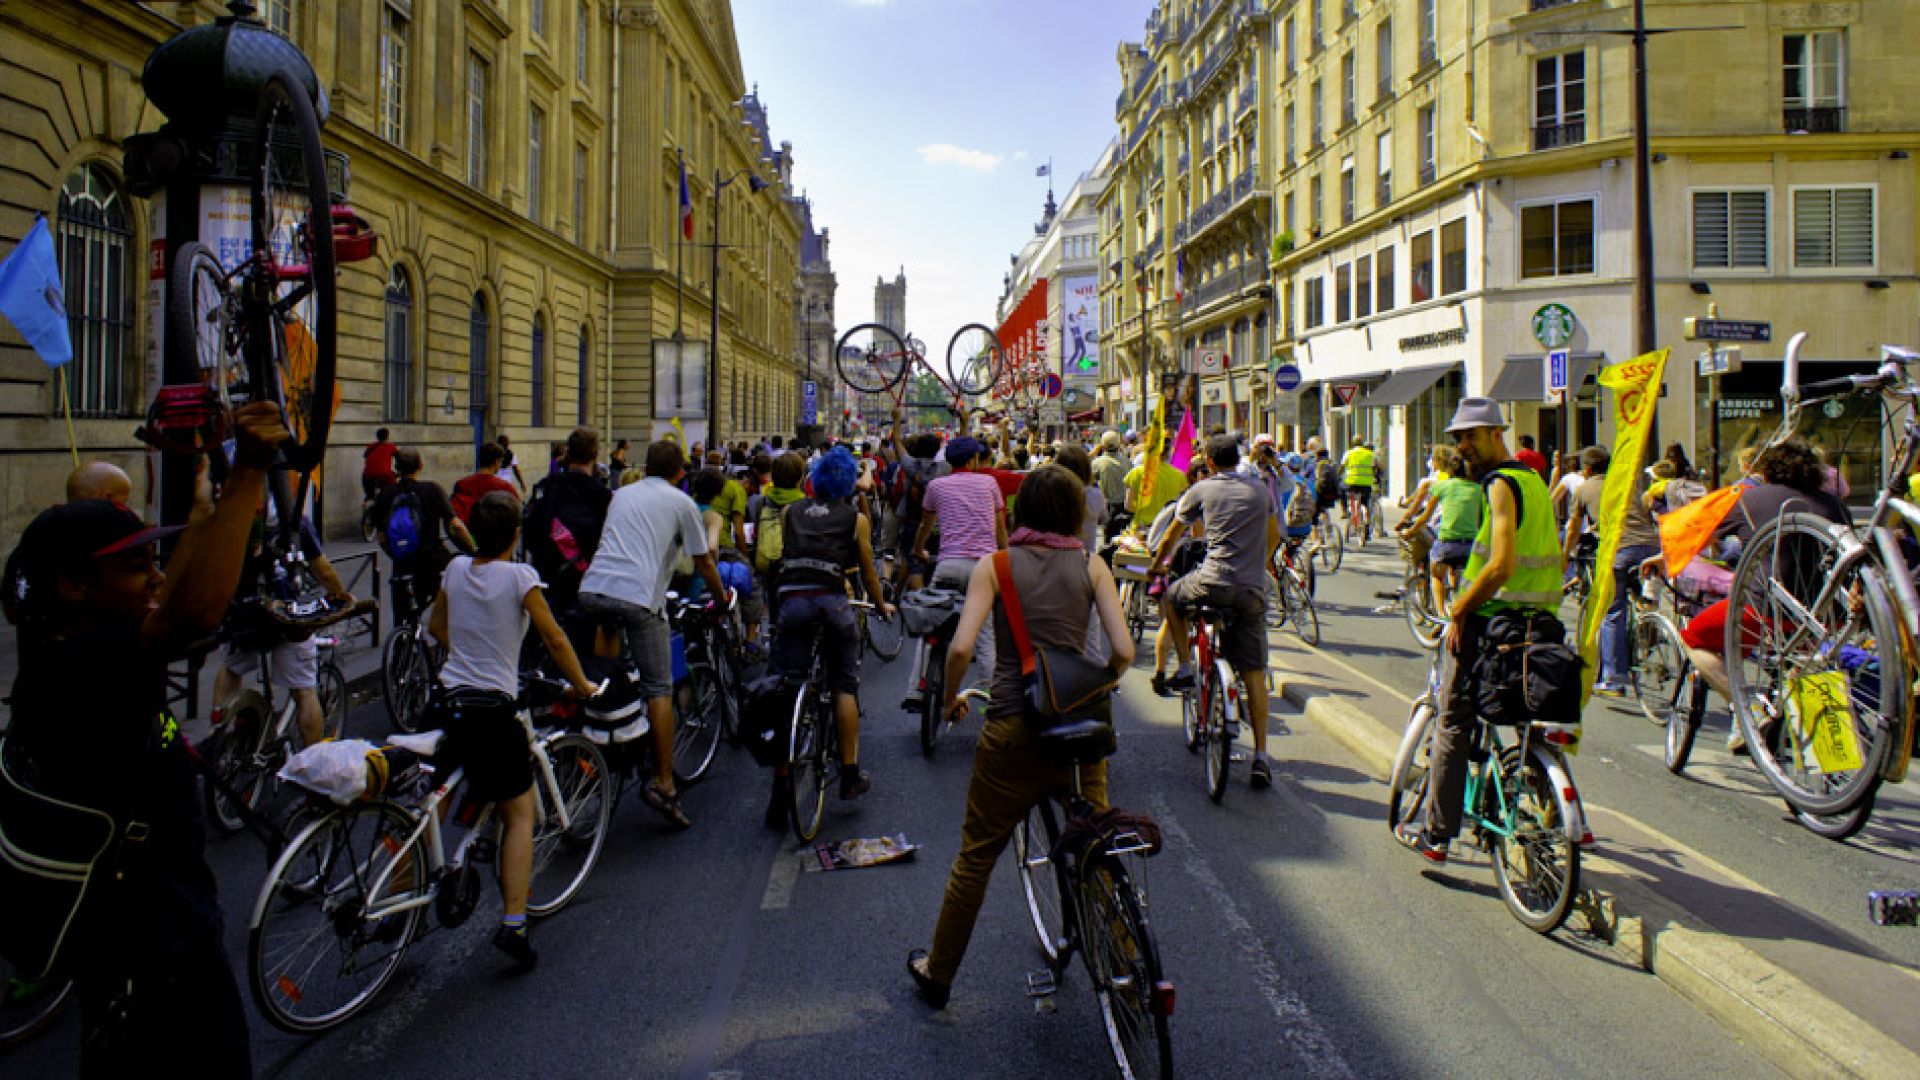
(1553, 325)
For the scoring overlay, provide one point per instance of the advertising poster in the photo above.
(1079, 332)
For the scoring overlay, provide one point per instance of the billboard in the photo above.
(1080, 327)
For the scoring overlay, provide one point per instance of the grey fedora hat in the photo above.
(1476, 412)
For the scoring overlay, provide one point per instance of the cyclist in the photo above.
(1168, 486)
(480, 617)
(1264, 468)
(412, 518)
(1639, 541)
(1243, 532)
(88, 598)
(1514, 564)
(484, 480)
(376, 465)
(648, 525)
(731, 505)
(967, 509)
(1359, 466)
(920, 465)
(1459, 504)
(1057, 584)
(1531, 457)
(565, 517)
(708, 486)
(1110, 472)
(766, 509)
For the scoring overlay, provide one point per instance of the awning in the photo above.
(1521, 380)
(1406, 384)
(1091, 416)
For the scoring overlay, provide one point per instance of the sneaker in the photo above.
(934, 993)
(913, 700)
(513, 941)
(1261, 773)
(1159, 684)
(1181, 680)
(1609, 690)
(1736, 742)
(1414, 838)
(854, 784)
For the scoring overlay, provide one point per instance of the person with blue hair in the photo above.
(825, 538)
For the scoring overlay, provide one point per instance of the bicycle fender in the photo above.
(1556, 769)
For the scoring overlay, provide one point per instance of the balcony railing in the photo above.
(1347, 118)
(1429, 53)
(1383, 190)
(1553, 136)
(1227, 198)
(1384, 91)
(1246, 100)
(1319, 138)
(1229, 283)
(1427, 173)
(1222, 134)
(1183, 161)
(1818, 120)
(1206, 144)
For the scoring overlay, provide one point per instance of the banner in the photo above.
(1156, 434)
(1636, 389)
(1182, 455)
(32, 298)
(1080, 327)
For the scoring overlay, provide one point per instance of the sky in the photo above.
(917, 126)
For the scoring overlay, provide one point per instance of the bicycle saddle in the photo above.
(314, 613)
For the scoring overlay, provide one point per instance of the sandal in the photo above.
(666, 803)
(932, 992)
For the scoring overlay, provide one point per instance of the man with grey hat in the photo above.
(1515, 566)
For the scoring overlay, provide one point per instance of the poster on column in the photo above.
(1080, 324)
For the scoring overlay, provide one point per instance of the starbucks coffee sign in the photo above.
(1553, 326)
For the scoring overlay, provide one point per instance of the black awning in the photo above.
(1406, 384)
(1521, 380)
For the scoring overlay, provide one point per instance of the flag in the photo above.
(679, 433)
(1181, 455)
(686, 204)
(1043, 170)
(1685, 532)
(31, 296)
(1179, 277)
(1156, 433)
(1636, 389)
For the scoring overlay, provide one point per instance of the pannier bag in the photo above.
(53, 855)
(766, 714)
(1066, 698)
(924, 611)
(1526, 672)
(618, 713)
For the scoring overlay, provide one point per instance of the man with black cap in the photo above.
(98, 623)
(1515, 566)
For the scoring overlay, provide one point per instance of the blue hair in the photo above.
(834, 474)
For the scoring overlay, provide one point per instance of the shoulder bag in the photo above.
(1066, 699)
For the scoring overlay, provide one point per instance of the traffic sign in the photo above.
(1050, 386)
(1719, 362)
(1343, 393)
(1556, 369)
(1286, 378)
(1728, 330)
(809, 402)
(1052, 412)
(1286, 408)
(1210, 361)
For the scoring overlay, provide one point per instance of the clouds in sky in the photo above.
(949, 154)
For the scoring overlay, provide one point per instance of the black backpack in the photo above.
(1526, 672)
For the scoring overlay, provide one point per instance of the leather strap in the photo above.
(1010, 600)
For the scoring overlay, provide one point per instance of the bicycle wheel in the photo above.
(1794, 644)
(871, 358)
(236, 754)
(1219, 744)
(1416, 593)
(931, 722)
(331, 684)
(1136, 609)
(1839, 826)
(1190, 719)
(1125, 969)
(1330, 549)
(807, 772)
(973, 359)
(698, 716)
(885, 635)
(1686, 707)
(200, 319)
(1040, 883)
(405, 678)
(29, 1007)
(1407, 784)
(1306, 622)
(314, 957)
(1537, 863)
(290, 343)
(564, 853)
(1660, 662)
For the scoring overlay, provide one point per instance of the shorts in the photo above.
(1454, 553)
(649, 640)
(486, 739)
(1359, 492)
(1707, 631)
(804, 613)
(294, 665)
(1245, 646)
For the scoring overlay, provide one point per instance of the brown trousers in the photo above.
(1010, 777)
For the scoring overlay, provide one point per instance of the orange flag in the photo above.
(1684, 532)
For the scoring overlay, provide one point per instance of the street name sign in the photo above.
(1728, 330)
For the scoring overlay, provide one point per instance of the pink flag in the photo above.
(1181, 455)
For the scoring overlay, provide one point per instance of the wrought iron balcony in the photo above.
(1427, 173)
(1429, 52)
(1248, 97)
(1553, 136)
(1206, 144)
(1384, 91)
(1228, 283)
(1383, 190)
(1818, 120)
(1183, 161)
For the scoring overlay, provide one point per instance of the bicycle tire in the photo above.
(885, 634)
(235, 758)
(1839, 826)
(284, 124)
(931, 722)
(199, 318)
(1687, 708)
(1659, 664)
(1040, 884)
(974, 360)
(564, 855)
(1300, 612)
(696, 726)
(1331, 550)
(322, 877)
(1407, 783)
(330, 683)
(871, 358)
(1190, 719)
(1219, 744)
(27, 1009)
(1537, 866)
(1136, 610)
(1763, 676)
(1125, 966)
(404, 682)
(806, 773)
(1416, 596)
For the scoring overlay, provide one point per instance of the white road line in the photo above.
(779, 893)
(1302, 1034)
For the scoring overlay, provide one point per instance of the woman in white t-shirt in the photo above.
(485, 604)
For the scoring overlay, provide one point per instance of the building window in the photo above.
(1453, 257)
(1346, 191)
(95, 239)
(1342, 293)
(581, 43)
(1292, 134)
(1559, 100)
(536, 158)
(1286, 213)
(1730, 230)
(1363, 286)
(280, 17)
(1421, 270)
(1556, 239)
(580, 194)
(1383, 63)
(1318, 20)
(586, 366)
(1383, 280)
(537, 376)
(1314, 202)
(1313, 303)
(1286, 38)
(1429, 146)
(1833, 228)
(1383, 156)
(1317, 115)
(479, 337)
(537, 16)
(1814, 67)
(477, 70)
(398, 384)
(666, 98)
(1429, 33)
(1347, 89)
(393, 76)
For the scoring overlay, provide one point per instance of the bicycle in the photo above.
(409, 661)
(871, 359)
(705, 707)
(1293, 586)
(361, 878)
(1328, 543)
(813, 746)
(1818, 658)
(1210, 710)
(1358, 529)
(1088, 904)
(944, 606)
(1521, 804)
(28, 1008)
(880, 634)
(1578, 584)
(1416, 597)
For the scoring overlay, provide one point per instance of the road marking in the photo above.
(1312, 1049)
(711, 1026)
(786, 871)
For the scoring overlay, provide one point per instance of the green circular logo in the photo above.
(1553, 325)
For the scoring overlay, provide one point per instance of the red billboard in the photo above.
(1023, 340)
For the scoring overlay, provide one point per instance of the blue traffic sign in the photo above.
(1050, 386)
(1286, 378)
(1557, 371)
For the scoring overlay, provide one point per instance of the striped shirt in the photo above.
(965, 502)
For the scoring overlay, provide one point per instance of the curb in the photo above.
(1797, 1028)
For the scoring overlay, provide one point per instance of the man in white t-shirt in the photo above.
(649, 525)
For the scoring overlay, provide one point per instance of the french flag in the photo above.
(686, 204)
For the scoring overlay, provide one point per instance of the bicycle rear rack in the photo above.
(1127, 843)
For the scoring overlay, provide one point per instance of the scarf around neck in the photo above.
(1034, 537)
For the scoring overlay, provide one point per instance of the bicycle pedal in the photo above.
(1042, 984)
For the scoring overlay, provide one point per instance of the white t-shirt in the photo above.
(1571, 482)
(649, 525)
(486, 618)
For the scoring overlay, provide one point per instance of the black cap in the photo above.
(67, 537)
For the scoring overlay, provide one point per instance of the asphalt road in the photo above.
(1303, 942)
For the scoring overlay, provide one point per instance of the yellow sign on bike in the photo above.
(1824, 715)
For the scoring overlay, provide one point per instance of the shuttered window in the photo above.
(1730, 230)
(1833, 228)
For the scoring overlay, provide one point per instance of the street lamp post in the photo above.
(755, 186)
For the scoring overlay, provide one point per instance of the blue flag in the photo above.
(31, 297)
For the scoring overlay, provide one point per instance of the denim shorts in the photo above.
(649, 639)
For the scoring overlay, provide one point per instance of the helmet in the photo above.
(1296, 463)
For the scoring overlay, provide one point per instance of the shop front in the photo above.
(1428, 395)
(1848, 432)
(1521, 385)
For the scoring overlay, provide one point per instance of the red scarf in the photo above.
(1034, 537)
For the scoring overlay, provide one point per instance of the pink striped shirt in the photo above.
(965, 502)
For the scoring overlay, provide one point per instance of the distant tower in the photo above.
(890, 303)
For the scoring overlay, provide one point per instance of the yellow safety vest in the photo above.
(1537, 570)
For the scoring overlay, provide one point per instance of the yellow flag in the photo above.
(679, 433)
(1636, 387)
(1156, 434)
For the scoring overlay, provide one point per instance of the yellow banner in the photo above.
(1636, 388)
(1821, 705)
(1156, 434)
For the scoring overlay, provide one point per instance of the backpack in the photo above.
(910, 480)
(1326, 480)
(1302, 506)
(403, 525)
(769, 535)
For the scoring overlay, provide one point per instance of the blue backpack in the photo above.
(403, 526)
